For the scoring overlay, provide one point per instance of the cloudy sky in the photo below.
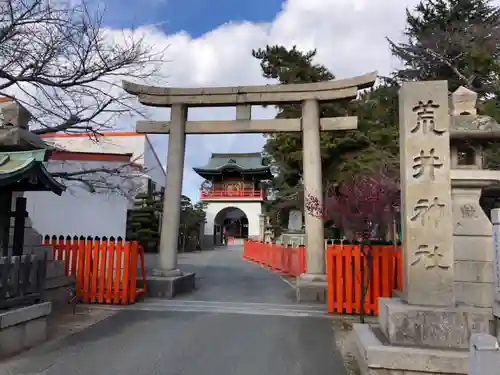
(210, 43)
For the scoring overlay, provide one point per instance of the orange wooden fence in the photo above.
(289, 261)
(105, 270)
(344, 268)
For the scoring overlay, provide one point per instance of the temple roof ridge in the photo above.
(245, 163)
(237, 155)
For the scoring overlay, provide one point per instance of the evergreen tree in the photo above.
(457, 41)
(454, 40)
(342, 152)
(192, 217)
(143, 221)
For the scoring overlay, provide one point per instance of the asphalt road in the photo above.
(242, 320)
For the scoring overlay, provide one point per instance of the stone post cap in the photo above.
(13, 114)
(483, 341)
(463, 102)
(495, 216)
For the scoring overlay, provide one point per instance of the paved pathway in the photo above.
(242, 320)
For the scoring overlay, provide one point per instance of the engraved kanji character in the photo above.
(423, 161)
(430, 256)
(468, 211)
(426, 118)
(425, 208)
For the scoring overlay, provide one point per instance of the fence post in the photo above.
(133, 271)
(330, 279)
(484, 355)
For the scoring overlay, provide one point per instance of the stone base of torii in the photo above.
(448, 277)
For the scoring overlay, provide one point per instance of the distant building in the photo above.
(81, 212)
(234, 196)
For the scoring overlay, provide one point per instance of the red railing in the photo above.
(344, 270)
(242, 193)
(105, 270)
(289, 261)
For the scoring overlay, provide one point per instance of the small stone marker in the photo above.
(484, 355)
(295, 221)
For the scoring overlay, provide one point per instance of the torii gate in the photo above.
(309, 95)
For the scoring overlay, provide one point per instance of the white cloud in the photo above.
(348, 34)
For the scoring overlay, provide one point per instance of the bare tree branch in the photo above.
(111, 171)
(58, 60)
(124, 178)
(467, 81)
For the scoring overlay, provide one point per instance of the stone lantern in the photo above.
(474, 277)
(465, 154)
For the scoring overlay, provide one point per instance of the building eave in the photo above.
(90, 156)
(263, 172)
(25, 171)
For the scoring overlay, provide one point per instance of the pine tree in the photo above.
(457, 41)
(343, 153)
(454, 40)
(192, 217)
(143, 221)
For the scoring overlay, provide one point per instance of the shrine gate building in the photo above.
(234, 196)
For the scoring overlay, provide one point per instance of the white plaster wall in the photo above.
(251, 209)
(78, 212)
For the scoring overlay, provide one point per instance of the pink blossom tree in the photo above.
(364, 207)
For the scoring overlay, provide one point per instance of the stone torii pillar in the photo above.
(309, 95)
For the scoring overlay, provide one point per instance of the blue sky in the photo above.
(209, 43)
(196, 17)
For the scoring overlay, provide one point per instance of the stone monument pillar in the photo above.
(425, 331)
(426, 194)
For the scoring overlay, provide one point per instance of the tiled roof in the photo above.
(247, 162)
(25, 171)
